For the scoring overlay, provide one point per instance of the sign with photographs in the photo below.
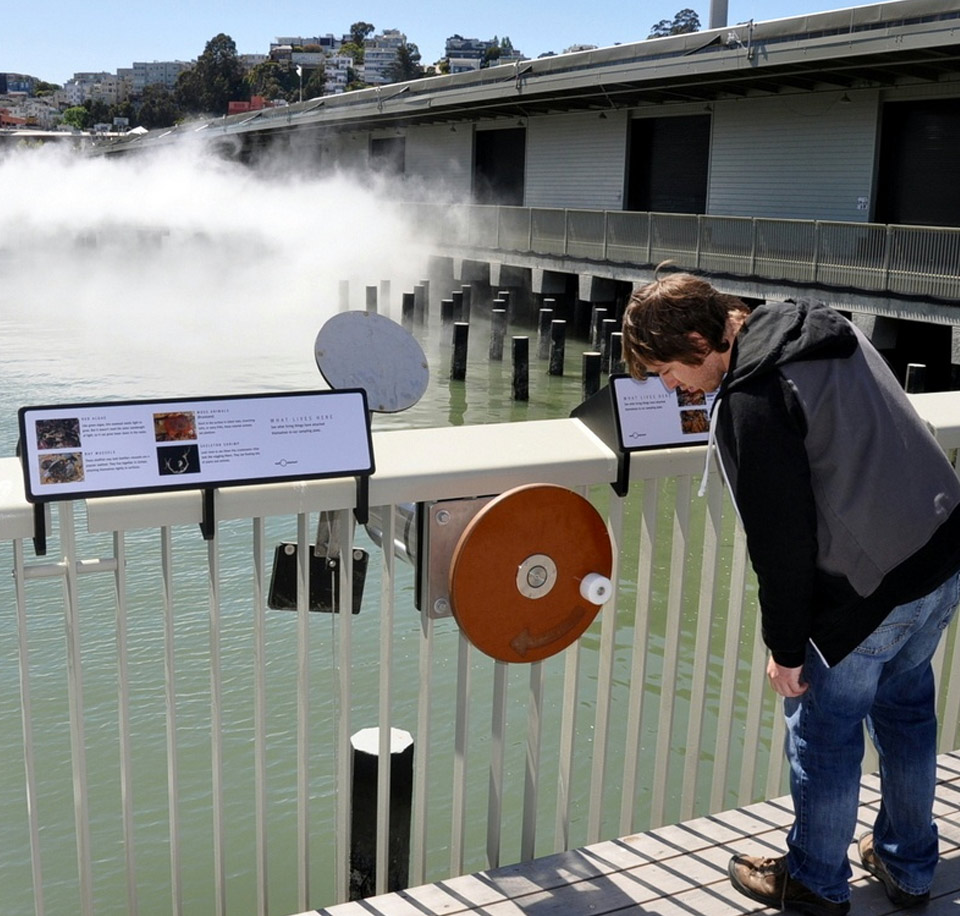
(78, 450)
(650, 415)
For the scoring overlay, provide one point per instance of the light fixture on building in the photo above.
(845, 99)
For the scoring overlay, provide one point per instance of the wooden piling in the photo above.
(558, 339)
(458, 362)
(446, 321)
(365, 748)
(597, 315)
(590, 374)
(408, 310)
(521, 368)
(344, 302)
(458, 312)
(498, 330)
(616, 353)
(916, 378)
(607, 327)
(371, 299)
(420, 305)
(467, 291)
(543, 334)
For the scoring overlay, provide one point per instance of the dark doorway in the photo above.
(498, 166)
(668, 164)
(919, 176)
(388, 155)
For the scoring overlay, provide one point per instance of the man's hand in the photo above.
(785, 681)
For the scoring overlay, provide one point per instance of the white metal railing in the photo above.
(906, 260)
(202, 760)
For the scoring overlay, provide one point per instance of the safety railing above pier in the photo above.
(873, 257)
(174, 743)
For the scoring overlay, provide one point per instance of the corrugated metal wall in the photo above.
(794, 157)
(576, 160)
(442, 157)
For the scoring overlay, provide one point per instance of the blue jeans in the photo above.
(888, 682)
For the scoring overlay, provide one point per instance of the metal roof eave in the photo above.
(881, 43)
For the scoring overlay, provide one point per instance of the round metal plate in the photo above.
(513, 534)
(370, 351)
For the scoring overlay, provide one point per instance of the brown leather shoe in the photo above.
(768, 882)
(871, 862)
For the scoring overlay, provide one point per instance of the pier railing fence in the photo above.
(903, 260)
(176, 745)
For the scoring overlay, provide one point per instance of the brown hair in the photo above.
(662, 315)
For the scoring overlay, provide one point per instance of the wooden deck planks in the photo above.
(678, 870)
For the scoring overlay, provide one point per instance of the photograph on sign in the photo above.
(77, 450)
(651, 415)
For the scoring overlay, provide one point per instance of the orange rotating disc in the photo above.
(530, 572)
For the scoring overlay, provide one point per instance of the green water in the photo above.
(39, 368)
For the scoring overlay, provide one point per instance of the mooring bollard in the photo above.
(590, 383)
(407, 310)
(498, 330)
(543, 333)
(344, 295)
(916, 378)
(616, 353)
(467, 291)
(458, 362)
(521, 368)
(596, 317)
(558, 335)
(365, 745)
(372, 299)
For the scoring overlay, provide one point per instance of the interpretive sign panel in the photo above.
(78, 450)
(650, 415)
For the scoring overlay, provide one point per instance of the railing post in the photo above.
(606, 230)
(566, 231)
(887, 245)
(753, 248)
(699, 239)
(815, 266)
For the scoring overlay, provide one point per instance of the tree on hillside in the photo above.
(406, 65)
(354, 50)
(685, 21)
(359, 31)
(315, 82)
(216, 80)
(273, 80)
(77, 117)
(158, 108)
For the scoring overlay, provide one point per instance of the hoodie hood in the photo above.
(777, 333)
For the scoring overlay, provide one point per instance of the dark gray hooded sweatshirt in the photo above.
(849, 505)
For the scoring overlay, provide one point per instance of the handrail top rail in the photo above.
(420, 464)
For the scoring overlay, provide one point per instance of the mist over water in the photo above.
(180, 273)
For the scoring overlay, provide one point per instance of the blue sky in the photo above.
(53, 40)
